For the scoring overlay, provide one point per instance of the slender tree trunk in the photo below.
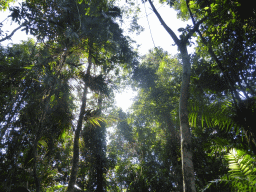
(173, 154)
(37, 181)
(100, 177)
(75, 161)
(186, 148)
(101, 154)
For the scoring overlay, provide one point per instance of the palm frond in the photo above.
(93, 117)
(211, 115)
(95, 121)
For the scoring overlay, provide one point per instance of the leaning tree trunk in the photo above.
(75, 161)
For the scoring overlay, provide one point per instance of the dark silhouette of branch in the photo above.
(12, 33)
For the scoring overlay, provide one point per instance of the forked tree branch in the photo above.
(195, 29)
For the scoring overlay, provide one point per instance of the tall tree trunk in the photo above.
(186, 150)
(173, 153)
(101, 154)
(75, 161)
(37, 180)
(100, 177)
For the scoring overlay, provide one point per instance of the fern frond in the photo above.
(217, 114)
(242, 173)
(240, 163)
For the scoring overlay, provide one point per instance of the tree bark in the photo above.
(186, 150)
(37, 180)
(173, 154)
(75, 161)
(101, 184)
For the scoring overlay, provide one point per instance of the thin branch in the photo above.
(196, 25)
(172, 34)
(4, 20)
(78, 15)
(213, 55)
(190, 13)
(149, 26)
(12, 33)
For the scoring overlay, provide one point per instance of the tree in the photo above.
(36, 105)
(222, 27)
(81, 42)
(75, 27)
(157, 73)
(186, 150)
(146, 141)
(116, 49)
(227, 38)
(231, 48)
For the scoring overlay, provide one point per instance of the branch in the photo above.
(12, 33)
(196, 25)
(201, 36)
(215, 58)
(211, 52)
(190, 13)
(195, 28)
(171, 33)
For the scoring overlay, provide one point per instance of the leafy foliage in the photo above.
(4, 4)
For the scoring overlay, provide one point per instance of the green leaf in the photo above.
(43, 143)
(29, 67)
(52, 98)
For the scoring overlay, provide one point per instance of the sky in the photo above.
(153, 32)
(159, 36)
(152, 26)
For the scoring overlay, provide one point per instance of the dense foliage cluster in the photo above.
(191, 126)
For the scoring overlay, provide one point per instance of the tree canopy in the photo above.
(191, 125)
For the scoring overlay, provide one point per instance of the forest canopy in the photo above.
(190, 127)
